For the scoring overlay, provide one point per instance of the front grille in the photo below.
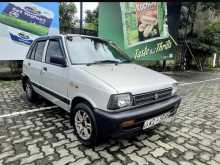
(152, 97)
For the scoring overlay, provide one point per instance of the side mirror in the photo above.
(58, 60)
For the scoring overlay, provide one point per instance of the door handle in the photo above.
(29, 64)
(45, 68)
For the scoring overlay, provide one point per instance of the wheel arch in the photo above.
(80, 99)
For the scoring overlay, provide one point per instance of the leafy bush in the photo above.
(67, 12)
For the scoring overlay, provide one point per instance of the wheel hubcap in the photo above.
(28, 90)
(83, 125)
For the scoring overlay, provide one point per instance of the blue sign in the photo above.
(22, 22)
(31, 14)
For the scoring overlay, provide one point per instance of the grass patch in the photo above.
(23, 25)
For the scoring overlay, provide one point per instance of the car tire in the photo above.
(84, 123)
(31, 95)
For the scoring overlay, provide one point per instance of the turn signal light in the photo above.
(127, 123)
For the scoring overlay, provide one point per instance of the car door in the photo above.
(55, 77)
(33, 63)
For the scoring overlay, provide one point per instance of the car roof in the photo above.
(67, 35)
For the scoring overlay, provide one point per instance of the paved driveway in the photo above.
(46, 137)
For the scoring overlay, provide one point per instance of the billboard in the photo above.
(22, 22)
(140, 28)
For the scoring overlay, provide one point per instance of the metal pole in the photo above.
(81, 16)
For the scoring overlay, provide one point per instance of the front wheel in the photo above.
(84, 124)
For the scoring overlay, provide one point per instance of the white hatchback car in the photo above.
(94, 80)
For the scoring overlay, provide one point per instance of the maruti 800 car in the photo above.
(93, 79)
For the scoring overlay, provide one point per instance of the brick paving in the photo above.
(12, 98)
(46, 137)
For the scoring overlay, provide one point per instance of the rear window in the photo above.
(39, 50)
(33, 52)
(36, 51)
(30, 51)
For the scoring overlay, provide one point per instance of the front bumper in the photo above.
(109, 123)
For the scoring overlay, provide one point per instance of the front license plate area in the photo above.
(154, 121)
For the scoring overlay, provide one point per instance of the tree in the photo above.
(67, 12)
(206, 32)
(212, 32)
(201, 28)
(91, 19)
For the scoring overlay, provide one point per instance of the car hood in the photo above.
(130, 77)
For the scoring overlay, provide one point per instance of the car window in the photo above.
(39, 50)
(53, 49)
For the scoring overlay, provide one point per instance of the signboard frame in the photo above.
(154, 49)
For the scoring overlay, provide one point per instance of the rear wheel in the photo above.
(84, 124)
(29, 91)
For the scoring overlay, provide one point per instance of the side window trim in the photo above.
(34, 51)
(67, 49)
(62, 48)
(45, 51)
(30, 50)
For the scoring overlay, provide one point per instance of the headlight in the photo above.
(117, 101)
(174, 89)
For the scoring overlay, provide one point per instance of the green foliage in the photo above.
(214, 27)
(212, 33)
(200, 28)
(205, 39)
(210, 5)
(91, 26)
(91, 19)
(208, 41)
(67, 11)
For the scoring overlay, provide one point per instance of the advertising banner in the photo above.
(140, 28)
(22, 22)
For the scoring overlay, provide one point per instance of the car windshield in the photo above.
(86, 50)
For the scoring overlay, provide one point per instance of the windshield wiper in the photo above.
(103, 62)
(125, 61)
